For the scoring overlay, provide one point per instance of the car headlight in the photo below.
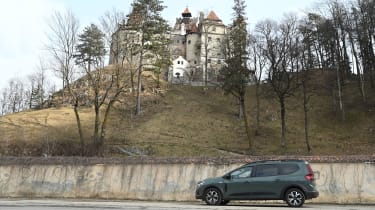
(200, 183)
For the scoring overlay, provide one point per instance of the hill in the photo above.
(191, 121)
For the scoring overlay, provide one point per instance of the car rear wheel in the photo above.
(294, 197)
(212, 196)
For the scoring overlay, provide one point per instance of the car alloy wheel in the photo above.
(213, 196)
(295, 198)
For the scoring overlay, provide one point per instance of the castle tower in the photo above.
(213, 32)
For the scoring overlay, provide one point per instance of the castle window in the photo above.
(218, 39)
(178, 41)
(209, 60)
(182, 63)
(219, 61)
(195, 62)
(178, 62)
(189, 41)
(214, 28)
(209, 39)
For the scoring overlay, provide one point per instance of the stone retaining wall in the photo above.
(160, 179)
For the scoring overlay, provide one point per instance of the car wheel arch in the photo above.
(216, 187)
(285, 189)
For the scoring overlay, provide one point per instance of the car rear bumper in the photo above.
(312, 194)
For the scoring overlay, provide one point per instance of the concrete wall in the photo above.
(337, 182)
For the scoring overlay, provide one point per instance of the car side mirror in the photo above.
(227, 176)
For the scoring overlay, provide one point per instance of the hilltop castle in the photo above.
(195, 47)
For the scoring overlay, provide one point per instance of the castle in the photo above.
(195, 47)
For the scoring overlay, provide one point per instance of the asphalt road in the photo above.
(137, 205)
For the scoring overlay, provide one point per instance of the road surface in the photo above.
(6, 204)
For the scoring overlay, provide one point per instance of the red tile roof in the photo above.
(213, 16)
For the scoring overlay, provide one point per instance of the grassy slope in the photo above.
(188, 121)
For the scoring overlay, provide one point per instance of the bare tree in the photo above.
(62, 40)
(120, 49)
(365, 29)
(123, 43)
(351, 27)
(206, 28)
(258, 64)
(279, 43)
(16, 96)
(38, 89)
(4, 102)
(305, 53)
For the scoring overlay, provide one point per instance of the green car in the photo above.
(289, 180)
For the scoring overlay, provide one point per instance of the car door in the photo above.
(238, 186)
(265, 183)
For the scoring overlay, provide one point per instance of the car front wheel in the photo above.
(212, 196)
(294, 197)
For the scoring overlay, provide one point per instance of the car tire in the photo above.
(212, 196)
(224, 202)
(294, 197)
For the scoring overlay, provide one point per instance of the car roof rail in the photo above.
(277, 160)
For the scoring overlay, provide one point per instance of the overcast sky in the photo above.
(23, 23)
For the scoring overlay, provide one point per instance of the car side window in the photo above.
(241, 173)
(286, 169)
(266, 170)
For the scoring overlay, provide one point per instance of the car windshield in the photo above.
(243, 172)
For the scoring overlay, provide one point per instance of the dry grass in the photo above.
(188, 121)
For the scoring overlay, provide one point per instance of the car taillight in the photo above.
(310, 175)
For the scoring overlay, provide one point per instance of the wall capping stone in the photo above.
(180, 160)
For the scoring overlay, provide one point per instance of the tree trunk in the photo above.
(372, 62)
(206, 68)
(306, 110)
(361, 83)
(105, 121)
(283, 123)
(96, 126)
(339, 88)
(257, 109)
(79, 128)
(62, 92)
(339, 76)
(132, 81)
(138, 108)
(242, 102)
(106, 116)
(240, 108)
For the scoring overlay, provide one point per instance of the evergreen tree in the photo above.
(91, 47)
(90, 53)
(236, 74)
(146, 19)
